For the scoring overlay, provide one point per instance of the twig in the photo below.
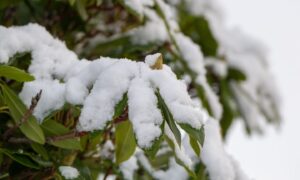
(122, 117)
(66, 136)
(19, 140)
(26, 116)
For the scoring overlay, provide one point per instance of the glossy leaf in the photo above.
(11, 72)
(53, 128)
(72, 143)
(194, 144)
(125, 141)
(20, 158)
(197, 134)
(30, 128)
(168, 117)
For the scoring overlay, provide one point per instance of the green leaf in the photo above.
(73, 143)
(197, 134)
(72, 2)
(80, 4)
(236, 74)
(53, 128)
(30, 128)
(119, 109)
(125, 141)
(229, 109)
(20, 158)
(40, 150)
(194, 144)
(11, 72)
(168, 117)
(198, 28)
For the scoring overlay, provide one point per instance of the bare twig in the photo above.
(66, 136)
(26, 116)
(19, 140)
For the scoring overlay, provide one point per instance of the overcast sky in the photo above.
(276, 155)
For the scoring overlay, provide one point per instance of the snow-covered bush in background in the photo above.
(157, 90)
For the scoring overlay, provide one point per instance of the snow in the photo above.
(174, 171)
(68, 172)
(99, 85)
(152, 32)
(128, 167)
(191, 53)
(52, 97)
(136, 5)
(107, 91)
(179, 150)
(193, 56)
(176, 97)
(213, 155)
(219, 67)
(146, 118)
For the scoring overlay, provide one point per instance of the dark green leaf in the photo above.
(197, 134)
(72, 143)
(11, 72)
(119, 109)
(236, 74)
(20, 158)
(40, 150)
(53, 128)
(168, 117)
(125, 141)
(198, 28)
(194, 144)
(30, 128)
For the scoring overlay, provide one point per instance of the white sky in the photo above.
(276, 155)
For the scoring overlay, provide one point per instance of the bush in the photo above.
(166, 82)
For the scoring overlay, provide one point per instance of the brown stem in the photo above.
(26, 116)
(69, 135)
(19, 140)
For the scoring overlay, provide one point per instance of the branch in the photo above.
(26, 116)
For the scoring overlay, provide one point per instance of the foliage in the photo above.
(94, 28)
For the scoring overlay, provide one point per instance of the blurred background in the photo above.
(275, 155)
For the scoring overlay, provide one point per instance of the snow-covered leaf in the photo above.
(168, 117)
(135, 7)
(197, 134)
